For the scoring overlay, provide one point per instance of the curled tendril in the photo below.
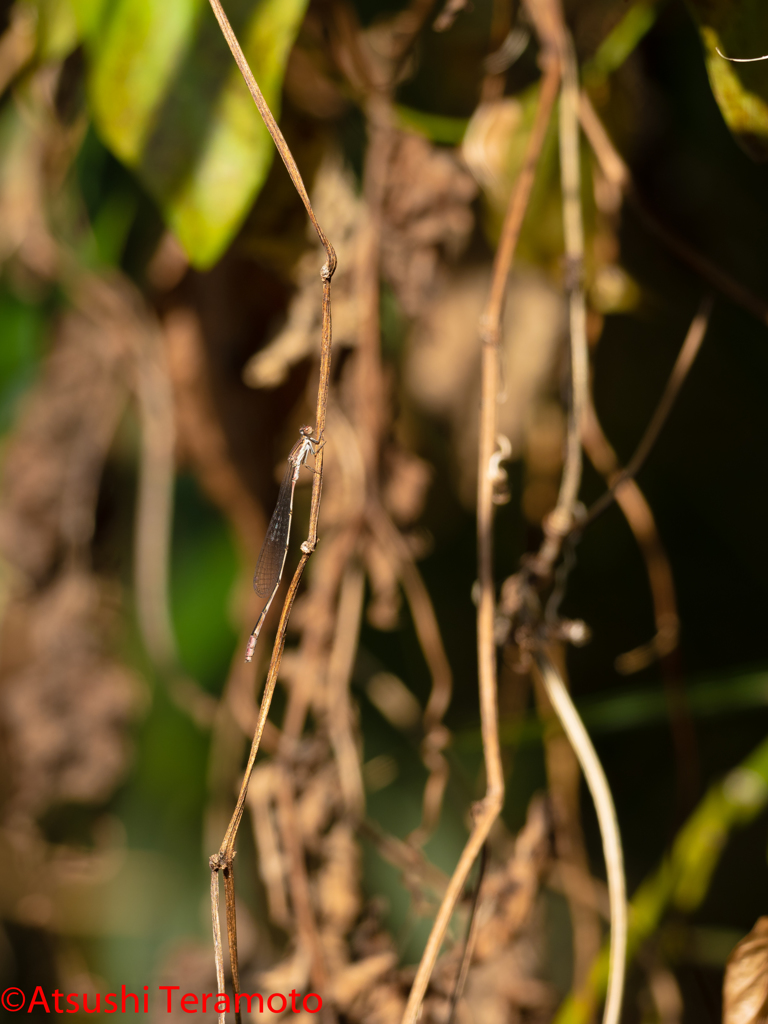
(740, 60)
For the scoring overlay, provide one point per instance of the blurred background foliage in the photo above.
(142, 212)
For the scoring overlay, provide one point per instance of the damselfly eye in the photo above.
(306, 431)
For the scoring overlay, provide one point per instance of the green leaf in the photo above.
(620, 43)
(741, 90)
(435, 127)
(169, 101)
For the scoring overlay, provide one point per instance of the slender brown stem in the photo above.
(226, 850)
(488, 809)
(223, 859)
(436, 735)
(274, 130)
(217, 948)
(229, 897)
(680, 371)
(471, 937)
(639, 517)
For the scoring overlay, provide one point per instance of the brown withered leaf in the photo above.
(354, 982)
(66, 703)
(427, 217)
(405, 488)
(318, 802)
(338, 880)
(442, 368)
(384, 606)
(54, 461)
(67, 707)
(745, 988)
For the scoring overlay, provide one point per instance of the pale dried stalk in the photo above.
(339, 711)
(228, 871)
(487, 810)
(154, 503)
(154, 518)
(609, 829)
(563, 781)
(217, 938)
(561, 518)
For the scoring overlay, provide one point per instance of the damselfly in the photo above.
(269, 568)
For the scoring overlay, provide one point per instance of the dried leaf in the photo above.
(442, 369)
(355, 979)
(427, 215)
(338, 881)
(745, 989)
(67, 710)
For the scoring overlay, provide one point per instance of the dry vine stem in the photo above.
(609, 828)
(561, 519)
(223, 860)
(683, 363)
(488, 809)
(560, 522)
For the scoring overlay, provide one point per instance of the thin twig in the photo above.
(640, 520)
(609, 828)
(436, 735)
(471, 937)
(677, 377)
(227, 847)
(418, 872)
(277, 136)
(487, 810)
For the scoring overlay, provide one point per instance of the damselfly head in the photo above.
(305, 431)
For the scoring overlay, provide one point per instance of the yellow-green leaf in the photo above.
(168, 100)
(738, 30)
